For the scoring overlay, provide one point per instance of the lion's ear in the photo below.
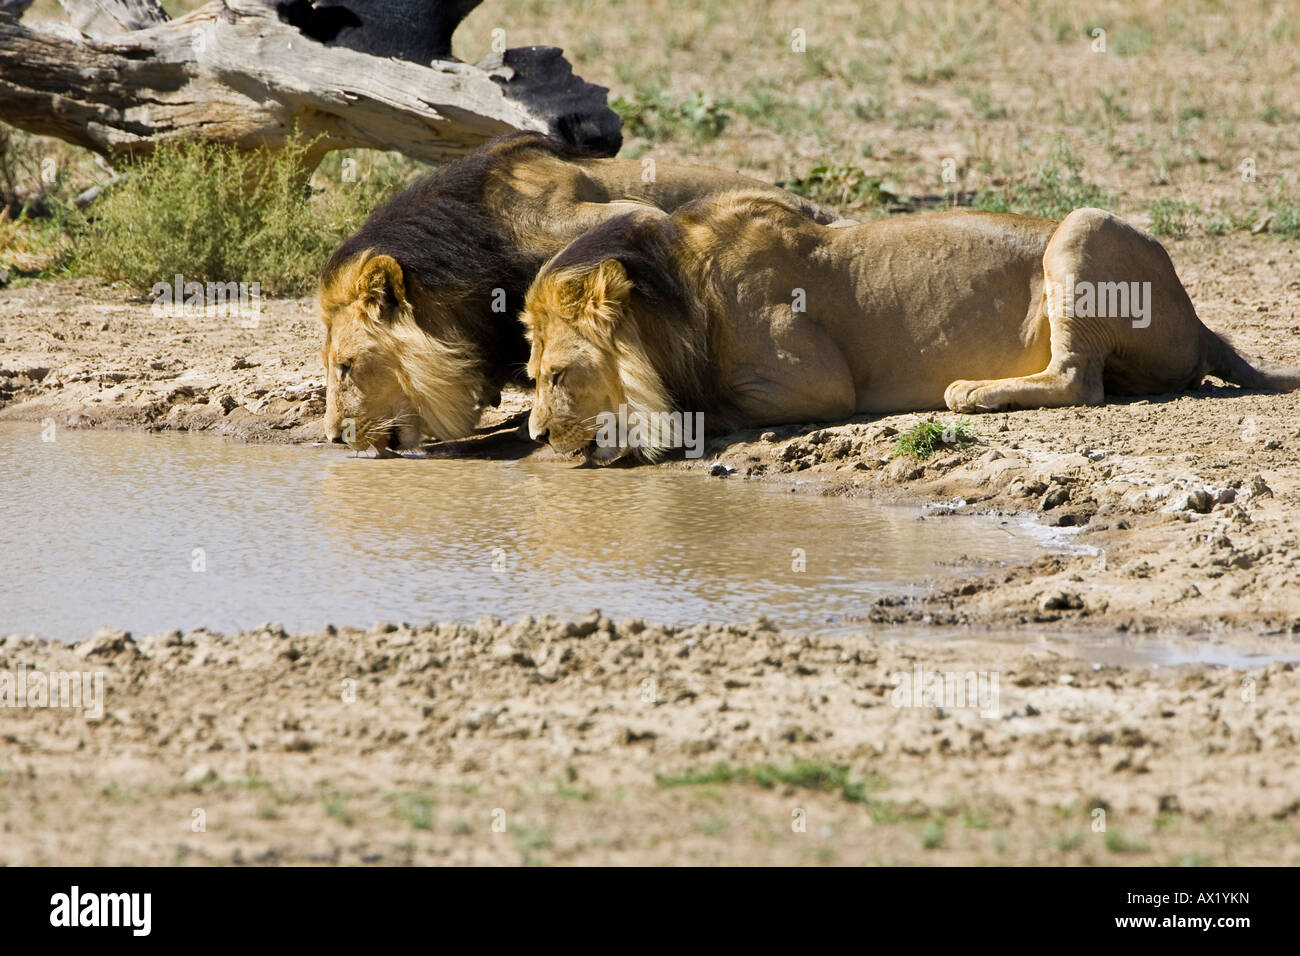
(605, 292)
(380, 283)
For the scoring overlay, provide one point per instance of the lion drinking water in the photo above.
(742, 309)
(420, 305)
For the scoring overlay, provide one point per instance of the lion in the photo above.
(740, 309)
(420, 305)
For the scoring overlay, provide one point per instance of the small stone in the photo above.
(1056, 495)
(200, 773)
(1198, 500)
(589, 625)
(1060, 601)
(719, 470)
(768, 437)
(107, 642)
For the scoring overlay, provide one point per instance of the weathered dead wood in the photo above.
(233, 71)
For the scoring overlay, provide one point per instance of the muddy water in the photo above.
(154, 532)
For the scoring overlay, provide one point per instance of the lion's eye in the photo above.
(555, 378)
(344, 368)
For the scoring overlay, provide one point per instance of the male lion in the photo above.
(739, 308)
(420, 304)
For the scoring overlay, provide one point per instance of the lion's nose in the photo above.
(538, 428)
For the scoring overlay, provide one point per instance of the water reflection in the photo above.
(150, 532)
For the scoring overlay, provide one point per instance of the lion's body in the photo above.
(786, 320)
(466, 241)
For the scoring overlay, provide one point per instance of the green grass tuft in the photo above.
(1173, 217)
(654, 115)
(804, 775)
(831, 184)
(1054, 189)
(924, 439)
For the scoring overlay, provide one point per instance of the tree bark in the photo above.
(234, 71)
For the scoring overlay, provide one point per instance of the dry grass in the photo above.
(1185, 92)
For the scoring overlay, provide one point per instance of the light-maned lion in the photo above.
(420, 306)
(739, 308)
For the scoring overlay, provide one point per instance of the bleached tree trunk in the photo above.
(235, 71)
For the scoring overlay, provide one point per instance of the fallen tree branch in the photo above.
(233, 71)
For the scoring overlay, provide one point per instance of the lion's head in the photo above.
(571, 316)
(599, 355)
(389, 382)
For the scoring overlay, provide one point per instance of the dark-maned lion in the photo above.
(740, 308)
(420, 305)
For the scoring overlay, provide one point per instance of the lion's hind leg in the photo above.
(1071, 378)
(1075, 373)
(1061, 383)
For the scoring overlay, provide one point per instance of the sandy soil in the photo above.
(603, 742)
(84, 356)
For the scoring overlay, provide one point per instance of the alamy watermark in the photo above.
(636, 429)
(74, 689)
(242, 300)
(133, 911)
(1103, 300)
(953, 690)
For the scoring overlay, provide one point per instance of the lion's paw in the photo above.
(962, 396)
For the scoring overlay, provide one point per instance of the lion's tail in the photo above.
(1225, 362)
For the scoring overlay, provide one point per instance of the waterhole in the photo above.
(154, 532)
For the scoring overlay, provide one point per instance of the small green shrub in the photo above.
(1285, 212)
(924, 439)
(834, 185)
(933, 834)
(1173, 217)
(215, 214)
(1053, 190)
(819, 777)
(654, 115)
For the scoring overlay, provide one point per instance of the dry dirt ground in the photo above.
(603, 742)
